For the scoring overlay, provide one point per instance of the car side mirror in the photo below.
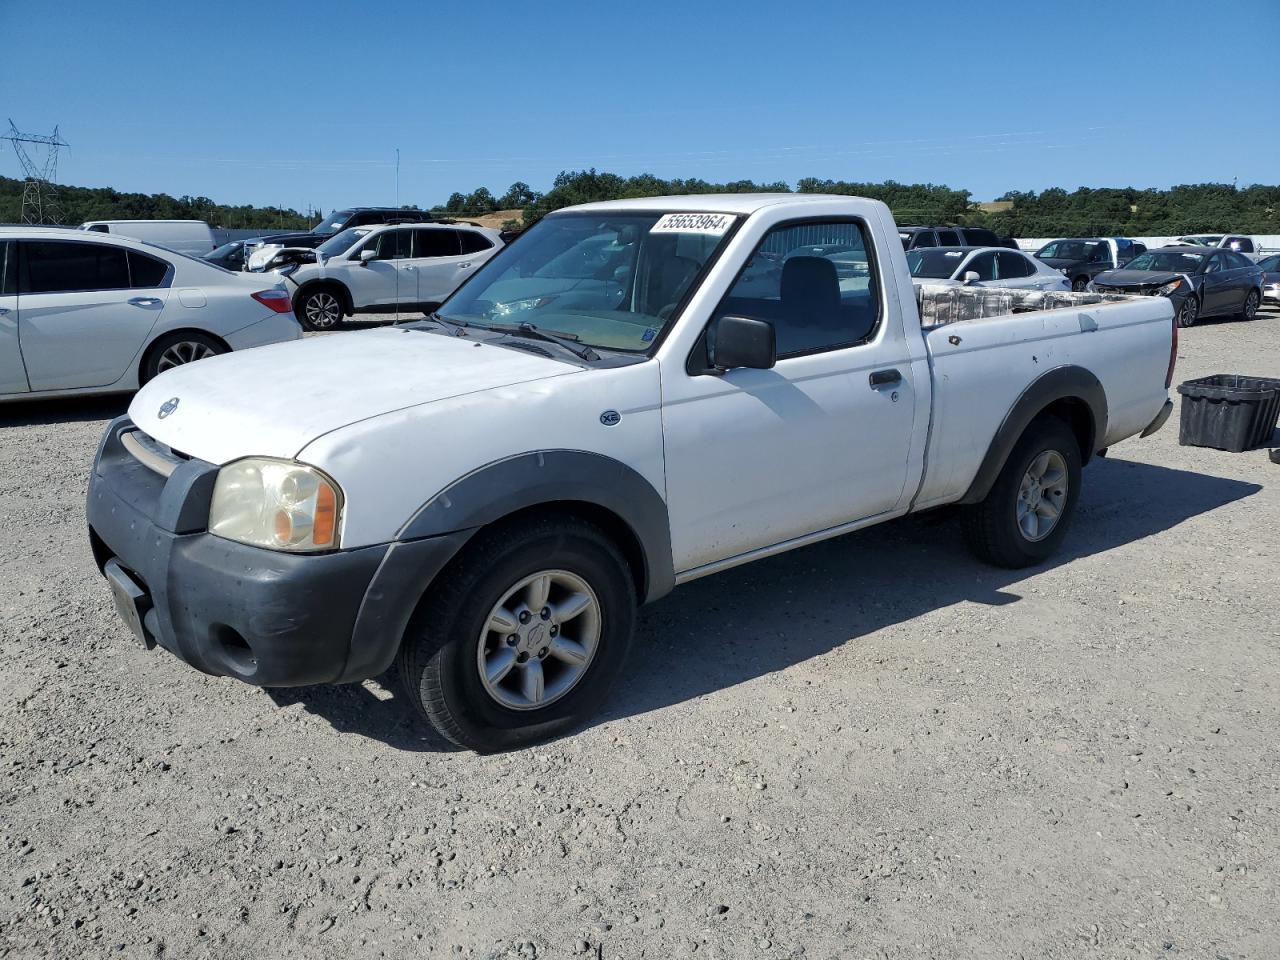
(970, 276)
(741, 342)
(366, 256)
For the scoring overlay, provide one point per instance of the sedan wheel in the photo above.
(321, 310)
(1250, 309)
(1079, 284)
(184, 351)
(1188, 312)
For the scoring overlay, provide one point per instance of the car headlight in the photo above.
(1170, 287)
(277, 504)
(1064, 271)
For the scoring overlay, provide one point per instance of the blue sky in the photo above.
(306, 103)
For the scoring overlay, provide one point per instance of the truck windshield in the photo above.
(610, 280)
(1204, 240)
(342, 242)
(934, 264)
(334, 223)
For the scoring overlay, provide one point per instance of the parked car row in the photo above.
(94, 312)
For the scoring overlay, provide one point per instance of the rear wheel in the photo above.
(1188, 310)
(319, 309)
(522, 638)
(177, 349)
(1250, 309)
(1024, 517)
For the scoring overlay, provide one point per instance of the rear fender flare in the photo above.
(1070, 383)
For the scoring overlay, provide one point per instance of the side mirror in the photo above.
(741, 342)
(970, 276)
(367, 255)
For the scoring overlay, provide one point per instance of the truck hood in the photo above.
(272, 401)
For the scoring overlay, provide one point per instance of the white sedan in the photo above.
(983, 267)
(94, 313)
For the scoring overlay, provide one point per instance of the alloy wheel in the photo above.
(184, 351)
(1041, 495)
(539, 640)
(322, 310)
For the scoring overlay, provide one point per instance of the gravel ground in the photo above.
(873, 747)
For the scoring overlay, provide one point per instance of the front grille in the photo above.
(151, 453)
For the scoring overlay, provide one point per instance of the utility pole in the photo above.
(39, 193)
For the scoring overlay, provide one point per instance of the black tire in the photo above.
(992, 528)
(1188, 311)
(1249, 310)
(1079, 284)
(176, 349)
(319, 308)
(438, 655)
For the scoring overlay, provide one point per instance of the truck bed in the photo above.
(940, 304)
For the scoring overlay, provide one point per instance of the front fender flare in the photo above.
(506, 486)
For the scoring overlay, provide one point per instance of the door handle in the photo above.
(463, 266)
(882, 378)
(144, 301)
(4, 311)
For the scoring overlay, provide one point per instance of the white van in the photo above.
(192, 237)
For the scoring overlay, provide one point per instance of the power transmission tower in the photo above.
(39, 193)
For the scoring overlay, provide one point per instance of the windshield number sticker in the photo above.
(712, 224)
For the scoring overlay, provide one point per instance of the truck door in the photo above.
(13, 375)
(758, 457)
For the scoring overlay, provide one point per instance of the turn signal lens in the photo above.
(276, 504)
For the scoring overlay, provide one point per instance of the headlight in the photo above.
(276, 504)
(1170, 287)
(1064, 271)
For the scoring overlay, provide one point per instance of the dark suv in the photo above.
(913, 238)
(340, 220)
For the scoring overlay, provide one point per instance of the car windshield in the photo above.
(611, 280)
(1204, 240)
(1174, 261)
(1068, 250)
(934, 264)
(334, 223)
(342, 242)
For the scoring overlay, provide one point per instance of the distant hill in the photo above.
(103, 203)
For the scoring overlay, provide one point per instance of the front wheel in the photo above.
(1080, 284)
(1025, 515)
(522, 638)
(319, 309)
(1188, 311)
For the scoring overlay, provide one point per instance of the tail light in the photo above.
(276, 300)
(1173, 353)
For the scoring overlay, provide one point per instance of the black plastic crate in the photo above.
(1228, 411)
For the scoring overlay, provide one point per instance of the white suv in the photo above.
(383, 268)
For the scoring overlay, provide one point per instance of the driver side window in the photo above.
(392, 245)
(984, 265)
(814, 282)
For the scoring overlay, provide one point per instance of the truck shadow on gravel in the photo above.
(765, 616)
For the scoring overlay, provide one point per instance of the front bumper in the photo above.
(229, 609)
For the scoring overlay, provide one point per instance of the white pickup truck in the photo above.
(633, 395)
